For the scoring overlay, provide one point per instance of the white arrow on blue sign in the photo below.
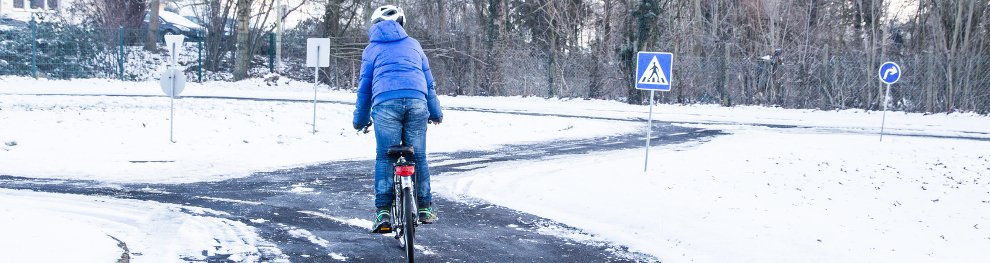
(890, 72)
(653, 70)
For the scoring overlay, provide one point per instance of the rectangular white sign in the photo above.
(174, 45)
(318, 50)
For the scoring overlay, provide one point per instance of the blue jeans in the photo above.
(400, 121)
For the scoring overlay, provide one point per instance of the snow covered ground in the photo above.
(764, 195)
(826, 192)
(126, 139)
(44, 227)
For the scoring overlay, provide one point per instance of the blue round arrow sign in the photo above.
(890, 72)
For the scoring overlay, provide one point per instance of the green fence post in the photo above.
(120, 62)
(271, 52)
(34, 48)
(200, 43)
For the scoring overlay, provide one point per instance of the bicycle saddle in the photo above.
(400, 150)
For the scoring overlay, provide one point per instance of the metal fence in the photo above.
(460, 65)
(59, 51)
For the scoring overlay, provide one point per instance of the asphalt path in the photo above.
(334, 202)
(915, 132)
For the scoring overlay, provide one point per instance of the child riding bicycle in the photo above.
(396, 91)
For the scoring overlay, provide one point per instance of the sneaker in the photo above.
(427, 215)
(383, 222)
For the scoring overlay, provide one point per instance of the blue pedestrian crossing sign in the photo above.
(890, 72)
(653, 70)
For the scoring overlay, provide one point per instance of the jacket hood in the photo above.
(386, 31)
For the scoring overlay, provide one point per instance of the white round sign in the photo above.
(173, 82)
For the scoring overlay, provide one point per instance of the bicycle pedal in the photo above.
(382, 229)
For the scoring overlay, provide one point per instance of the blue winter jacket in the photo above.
(393, 66)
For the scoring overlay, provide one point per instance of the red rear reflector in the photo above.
(405, 170)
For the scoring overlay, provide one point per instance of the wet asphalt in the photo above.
(335, 193)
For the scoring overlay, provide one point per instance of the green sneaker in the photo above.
(383, 222)
(427, 215)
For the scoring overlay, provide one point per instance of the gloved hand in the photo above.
(363, 128)
(434, 120)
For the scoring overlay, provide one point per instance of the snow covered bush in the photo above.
(57, 49)
(15, 48)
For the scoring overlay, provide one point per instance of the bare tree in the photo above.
(153, 22)
(115, 13)
(806, 54)
(243, 55)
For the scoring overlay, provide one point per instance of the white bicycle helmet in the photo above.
(388, 12)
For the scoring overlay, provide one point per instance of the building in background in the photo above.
(22, 9)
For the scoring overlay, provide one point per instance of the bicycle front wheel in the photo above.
(409, 226)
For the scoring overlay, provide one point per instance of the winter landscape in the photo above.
(776, 142)
(771, 185)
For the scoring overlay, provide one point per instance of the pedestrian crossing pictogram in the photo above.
(654, 74)
(653, 70)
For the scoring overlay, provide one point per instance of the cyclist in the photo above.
(396, 91)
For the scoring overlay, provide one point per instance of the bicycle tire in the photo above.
(409, 226)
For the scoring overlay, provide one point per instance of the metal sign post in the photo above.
(171, 97)
(317, 56)
(649, 129)
(653, 72)
(316, 82)
(173, 80)
(883, 122)
(171, 118)
(889, 73)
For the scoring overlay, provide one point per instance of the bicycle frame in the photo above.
(403, 179)
(405, 214)
(404, 220)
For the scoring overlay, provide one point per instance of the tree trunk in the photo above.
(243, 56)
(153, 22)
(332, 13)
(331, 18)
(493, 57)
(599, 54)
(552, 67)
(720, 79)
(368, 12)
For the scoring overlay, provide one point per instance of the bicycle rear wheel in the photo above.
(409, 226)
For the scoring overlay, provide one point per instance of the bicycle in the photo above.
(404, 213)
(405, 217)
